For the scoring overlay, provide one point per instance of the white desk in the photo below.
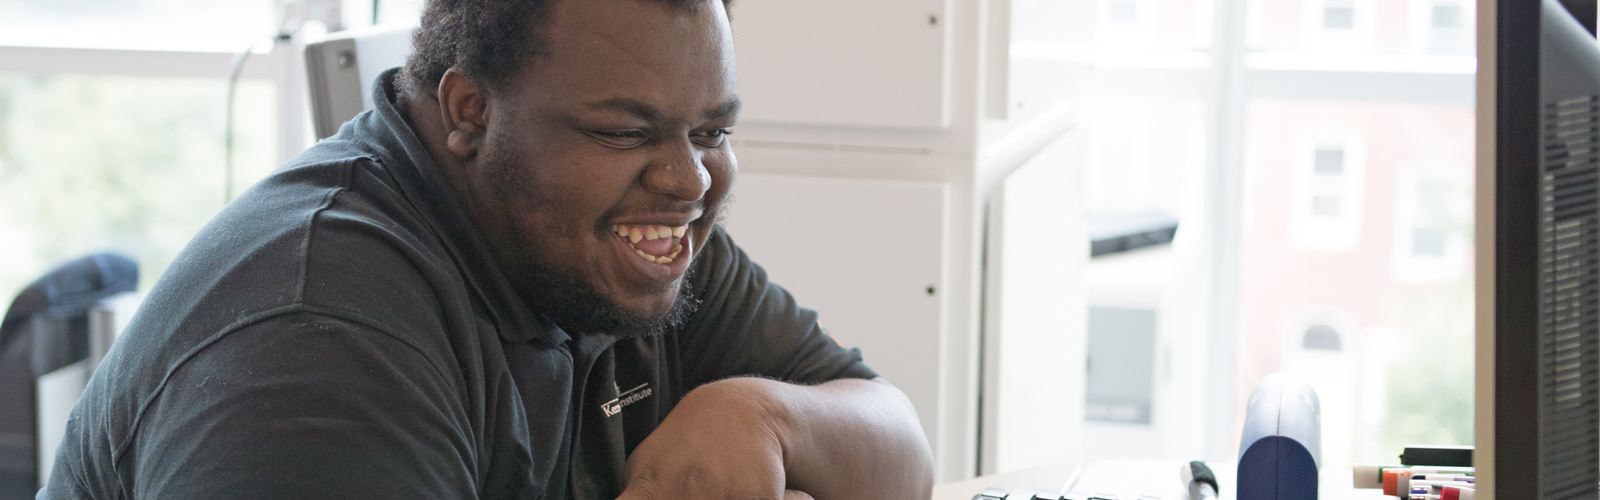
(1126, 478)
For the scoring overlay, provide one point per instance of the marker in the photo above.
(1443, 478)
(1396, 482)
(1458, 493)
(1467, 471)
(1370, 475)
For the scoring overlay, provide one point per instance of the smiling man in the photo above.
(506, 281)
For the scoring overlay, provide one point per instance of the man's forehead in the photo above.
(609, 51)
(649, 112)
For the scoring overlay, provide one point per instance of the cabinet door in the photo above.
(1035, 338)
(867, 256)
(878, 63)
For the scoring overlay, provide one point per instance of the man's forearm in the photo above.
(852, 438)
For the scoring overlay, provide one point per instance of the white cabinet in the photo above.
(868, 255)
(876, 106)
(877, 63)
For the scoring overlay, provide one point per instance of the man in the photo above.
(506, 281)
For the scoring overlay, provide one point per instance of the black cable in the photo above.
(374, 12)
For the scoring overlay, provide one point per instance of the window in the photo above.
(1321, 337)
(1121, 364)
(1358, 286)
(1328, 183)
(1130, 25)
(1429, 232)
(1335, 196)
(396, 11)
(222, 25)
(1432, 223)
(112, 116)
(1448, 30)
(1339, 15)
(87, 174)
(1327, 165)
(1446, 16)
(1439, 28)
(1123, 12)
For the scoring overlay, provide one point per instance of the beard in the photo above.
(571, 303)
(560, 294)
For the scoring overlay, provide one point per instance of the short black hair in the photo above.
(486, 39)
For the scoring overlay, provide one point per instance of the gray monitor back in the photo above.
(341, 69)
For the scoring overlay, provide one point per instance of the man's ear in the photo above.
(466, 114)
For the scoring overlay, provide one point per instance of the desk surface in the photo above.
(1126, 478)
(1060, 475)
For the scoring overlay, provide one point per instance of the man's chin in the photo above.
(576, 306)
(612, 319)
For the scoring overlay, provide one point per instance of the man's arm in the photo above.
(753, 437)
(779, 403)
(854, 438)
(304, 406)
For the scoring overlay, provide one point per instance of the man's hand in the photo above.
(753, 438)
(723, 440)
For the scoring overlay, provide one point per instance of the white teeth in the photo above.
(636, 233)
(665, 259)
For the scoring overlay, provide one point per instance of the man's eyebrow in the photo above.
(634, 107)
(727, 107)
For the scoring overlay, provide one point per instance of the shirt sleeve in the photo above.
(305, 406)
(746, 325)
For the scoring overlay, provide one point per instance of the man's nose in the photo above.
(678, 171)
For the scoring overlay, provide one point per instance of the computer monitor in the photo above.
(1538, 429)
(340, 71)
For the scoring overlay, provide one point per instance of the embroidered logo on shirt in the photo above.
(626, 398)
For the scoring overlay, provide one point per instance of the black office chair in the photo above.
(46, 328)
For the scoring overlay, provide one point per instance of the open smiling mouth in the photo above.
(657, 244)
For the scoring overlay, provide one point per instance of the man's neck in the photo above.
(423, 114)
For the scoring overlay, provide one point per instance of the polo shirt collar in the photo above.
(424, 186)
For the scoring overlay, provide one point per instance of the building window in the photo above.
(1446, 27)
(1328, 178)
(1431, 225)
(1328, 166)
(1123, 11)
(1121, 365)
(1339, 15)
(1446, 16)
(1322, 337)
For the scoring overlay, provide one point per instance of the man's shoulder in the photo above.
(320, 247)
(329, 229)
(296, 374)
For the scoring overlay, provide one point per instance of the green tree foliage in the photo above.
(131, 164)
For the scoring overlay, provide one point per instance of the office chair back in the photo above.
(47, 328)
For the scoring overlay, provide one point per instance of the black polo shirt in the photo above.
(342, 331)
